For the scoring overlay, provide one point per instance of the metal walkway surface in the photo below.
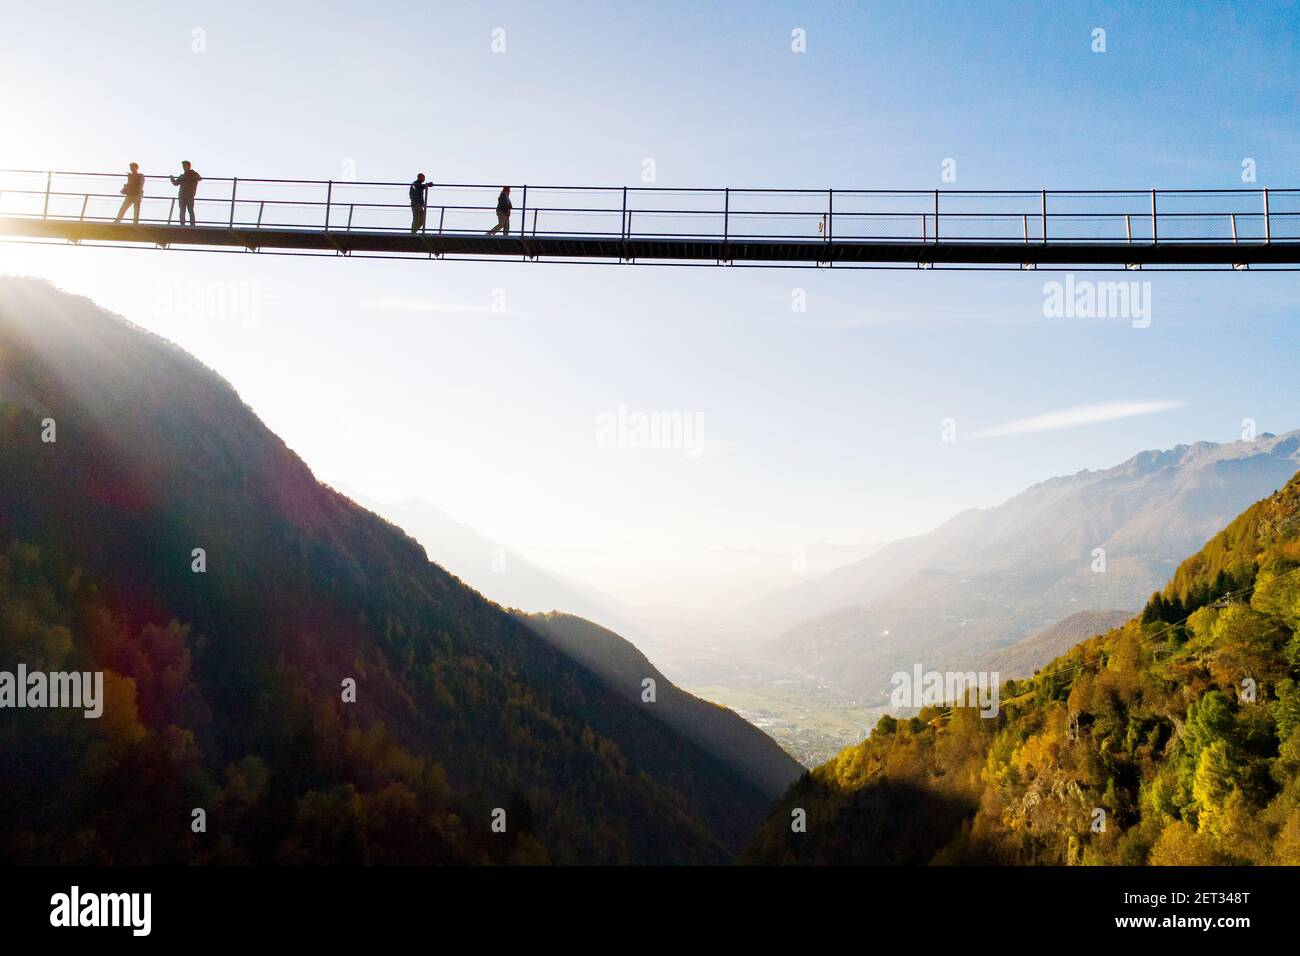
(1126, 229)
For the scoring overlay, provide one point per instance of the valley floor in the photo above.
(810, 719)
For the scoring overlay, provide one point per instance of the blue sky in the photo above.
(398, 378)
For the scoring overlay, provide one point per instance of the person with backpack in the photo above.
(503, 212)
(134, 192)
(188, 181)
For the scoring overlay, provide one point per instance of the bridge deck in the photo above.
(660, 248)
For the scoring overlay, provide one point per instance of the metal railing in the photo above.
(1218, 216)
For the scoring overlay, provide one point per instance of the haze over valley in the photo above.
(1008, 588)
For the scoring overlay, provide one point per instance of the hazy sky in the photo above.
(398, 378)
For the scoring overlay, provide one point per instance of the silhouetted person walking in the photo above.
(188, 181)
(419, 203)
(503, 212)
(134, 192)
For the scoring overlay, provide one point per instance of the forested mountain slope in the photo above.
(226, 683)
(1174, 739)
(719, 731)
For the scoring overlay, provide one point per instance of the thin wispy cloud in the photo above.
(1074, 417)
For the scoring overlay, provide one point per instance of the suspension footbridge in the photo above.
(827, 228)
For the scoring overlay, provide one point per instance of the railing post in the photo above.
(1268, 232)
(1128, 227)
(523, 213)
(171, 206)
(622, 217)
(936, 217)
(234, 186)
(1155, 235)
(45, 211)
(1043, 210)
(1234, 227)
(261, 207)
(830, 215)
(726, 215)
(329, 198)
(84, 200)
(351, 208)
(1024, 226)
(442, 214)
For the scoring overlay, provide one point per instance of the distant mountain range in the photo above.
(990, 577)
(286, 660)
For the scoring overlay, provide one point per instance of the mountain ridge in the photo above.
(492, 568)
(717, 729)
(1023, 658)
(987, 578)
(167, 538)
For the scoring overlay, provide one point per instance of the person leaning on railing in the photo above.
(134, 192)
(188, 181)
(419, 202)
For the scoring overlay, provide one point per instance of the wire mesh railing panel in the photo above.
(1284, 215)
(856, 216)
(21, 193)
